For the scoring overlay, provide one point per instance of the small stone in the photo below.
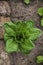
(4, 55)
(4, 8)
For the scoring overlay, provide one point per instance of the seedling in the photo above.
(39, 59)
(40, 13)
(41, 21)
(27, 1)
(19, 36)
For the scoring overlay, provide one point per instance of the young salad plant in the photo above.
(19, 36)
(39, 59)
(40, 13)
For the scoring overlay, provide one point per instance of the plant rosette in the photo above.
(19, 36)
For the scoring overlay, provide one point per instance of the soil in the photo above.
(12, 10)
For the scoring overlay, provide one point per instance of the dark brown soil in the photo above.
(17, 10)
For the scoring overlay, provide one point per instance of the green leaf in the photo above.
(11, 25)
(6, 37)
(39, 59)
(34, 33)
(40, 11)
(30, 23)
(9, 30)
(27, 1)
(41, 21)
(19, 25)
(27, 46)
(11, 46)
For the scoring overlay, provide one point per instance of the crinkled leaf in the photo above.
(34, 33)
(18, 24)
(30, 23)
(11, 25)
(6, 37)
(27, 46)
(40, 11)
(9, 30)
(11, 46)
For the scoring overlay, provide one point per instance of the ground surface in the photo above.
(17, 10)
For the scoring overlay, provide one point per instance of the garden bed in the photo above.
(17, 10)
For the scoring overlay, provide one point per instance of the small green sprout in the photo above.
(41, 21)
(27, 1)
(40, 12)
(39, 59)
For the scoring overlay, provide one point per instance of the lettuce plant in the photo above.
(39, 59)
(40, 13)
(19, 36)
